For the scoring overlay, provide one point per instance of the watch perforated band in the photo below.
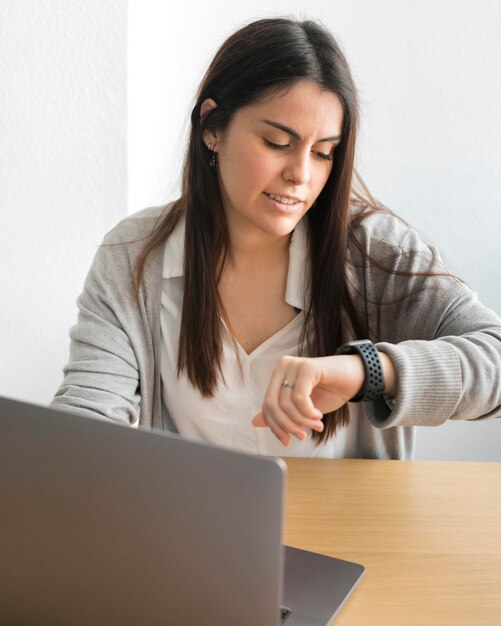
(373, 386)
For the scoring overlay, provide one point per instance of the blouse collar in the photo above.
(296, 287)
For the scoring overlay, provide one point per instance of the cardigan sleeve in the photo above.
(444, 344)
(101, 378)
(112, 371)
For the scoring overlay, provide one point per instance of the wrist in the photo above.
(349, 374)
(343, 374)
(389, 374)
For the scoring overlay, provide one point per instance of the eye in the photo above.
(278, 146)
(275, 146)
(325, 157)
(319, 155)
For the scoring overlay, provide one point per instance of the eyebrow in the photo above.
(296, 135)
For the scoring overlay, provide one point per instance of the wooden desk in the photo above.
(428, 533)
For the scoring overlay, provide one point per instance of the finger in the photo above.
(301, 396)
(289, 401)
(277, 406)
(274, 413)
(307, 377)
(259, 421)
(296, 401)
(271, 404)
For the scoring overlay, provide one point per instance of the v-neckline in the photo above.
(262, 346)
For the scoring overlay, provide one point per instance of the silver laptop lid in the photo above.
(103, 524)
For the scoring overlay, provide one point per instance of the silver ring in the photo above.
(286, 384)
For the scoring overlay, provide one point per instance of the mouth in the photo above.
(283, 199)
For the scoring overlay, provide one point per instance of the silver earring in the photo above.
(212, 160)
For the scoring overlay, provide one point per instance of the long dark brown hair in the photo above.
(262, 58)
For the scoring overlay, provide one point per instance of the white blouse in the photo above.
(225, 419)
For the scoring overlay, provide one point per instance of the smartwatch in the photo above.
(373, 386)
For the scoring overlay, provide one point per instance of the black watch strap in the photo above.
(373, 386)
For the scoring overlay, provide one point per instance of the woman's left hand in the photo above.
(302, 390)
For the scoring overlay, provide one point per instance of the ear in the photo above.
(210, 136)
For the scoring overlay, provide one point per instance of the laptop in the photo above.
(106, 524)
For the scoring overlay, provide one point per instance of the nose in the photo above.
(297, 169)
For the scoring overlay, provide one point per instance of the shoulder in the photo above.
(135, 228)
(122, 246)
(384, 236)
(382, 228)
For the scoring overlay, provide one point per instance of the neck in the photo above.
(254, 255)
(252, 250)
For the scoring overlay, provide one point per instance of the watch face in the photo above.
(351, 347)
(359, 342)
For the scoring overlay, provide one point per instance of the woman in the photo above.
(229, 314)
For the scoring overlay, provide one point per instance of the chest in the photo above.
(255, 307)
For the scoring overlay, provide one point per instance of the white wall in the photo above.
(62, 173)
(430, 145)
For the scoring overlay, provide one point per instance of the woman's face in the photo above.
(275, 157)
